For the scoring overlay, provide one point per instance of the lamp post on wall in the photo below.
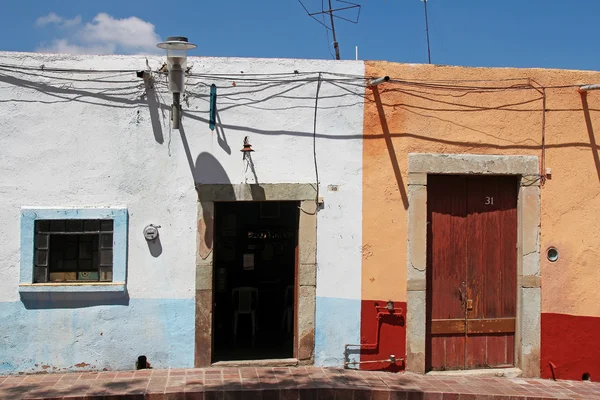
(177, 47)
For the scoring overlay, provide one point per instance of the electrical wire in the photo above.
(69, 70)
(315, 148)
(434, 84)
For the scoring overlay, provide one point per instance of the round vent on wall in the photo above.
(552, 254)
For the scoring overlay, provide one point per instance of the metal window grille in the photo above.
(73, 250)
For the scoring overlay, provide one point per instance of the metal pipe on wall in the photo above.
(389, 309)
(586, 88)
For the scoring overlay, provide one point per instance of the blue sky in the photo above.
(519, 33)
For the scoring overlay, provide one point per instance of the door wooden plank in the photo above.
(496, 349)
(510, 349)
(446, 264)
(491, 325)
(491, 265)
(475, 348)
(437, 352)
(455, 352)
(448, 327)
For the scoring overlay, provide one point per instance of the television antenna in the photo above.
(331, 11)
(427, 31)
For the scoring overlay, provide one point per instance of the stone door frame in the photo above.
(528, 326)
(306, 280)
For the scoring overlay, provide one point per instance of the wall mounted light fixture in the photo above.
(177, 47)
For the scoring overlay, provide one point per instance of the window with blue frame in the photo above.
(69, 246)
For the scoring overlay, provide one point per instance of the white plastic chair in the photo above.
(246, 304)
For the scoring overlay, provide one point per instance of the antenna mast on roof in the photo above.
(331, 11)
(427, 31)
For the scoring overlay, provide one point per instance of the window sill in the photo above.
(63, 287)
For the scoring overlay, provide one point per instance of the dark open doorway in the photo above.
(255, 264)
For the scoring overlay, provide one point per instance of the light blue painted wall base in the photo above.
(337, 323)
(56, 335)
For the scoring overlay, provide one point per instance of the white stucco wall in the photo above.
(102, 139)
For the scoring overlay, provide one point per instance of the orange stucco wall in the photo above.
(405, 117)
(503, 121)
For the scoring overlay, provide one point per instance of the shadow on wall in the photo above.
(207, 169)
(154, 106)
(57, 300)
(155, 247)
(390, 146)
(590, 130)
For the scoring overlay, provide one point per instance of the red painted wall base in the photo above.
(572, 344)
(392, 336)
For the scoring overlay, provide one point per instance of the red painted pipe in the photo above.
(380, 314)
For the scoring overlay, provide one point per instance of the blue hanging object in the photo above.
(213, 106)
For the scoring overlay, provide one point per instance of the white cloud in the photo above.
(54, 19)
(103, 35)
(72, 22)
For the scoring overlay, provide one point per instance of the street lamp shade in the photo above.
(177, 47)
(176, 43)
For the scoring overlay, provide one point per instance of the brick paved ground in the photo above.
(284, 383)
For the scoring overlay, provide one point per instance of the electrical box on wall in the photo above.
(151, 232)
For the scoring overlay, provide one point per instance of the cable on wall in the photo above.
(315, 148)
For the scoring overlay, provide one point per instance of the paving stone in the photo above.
(284, 383)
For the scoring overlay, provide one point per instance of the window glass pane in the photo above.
(57, 242)
(95, 259)
(92, 225)
(56, 265)
(85, 265)
(106, 241)
(39, 274)
(106, 274)
(106, 257)
(85, 251)
(70, 265)
(42, 226)
(106, 225)
(87, 276)
(56, 260)
(74, 225)
(71, 250)
(57, 225)
(41, 257)
(41, 241)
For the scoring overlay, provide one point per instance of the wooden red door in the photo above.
(471, 271)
